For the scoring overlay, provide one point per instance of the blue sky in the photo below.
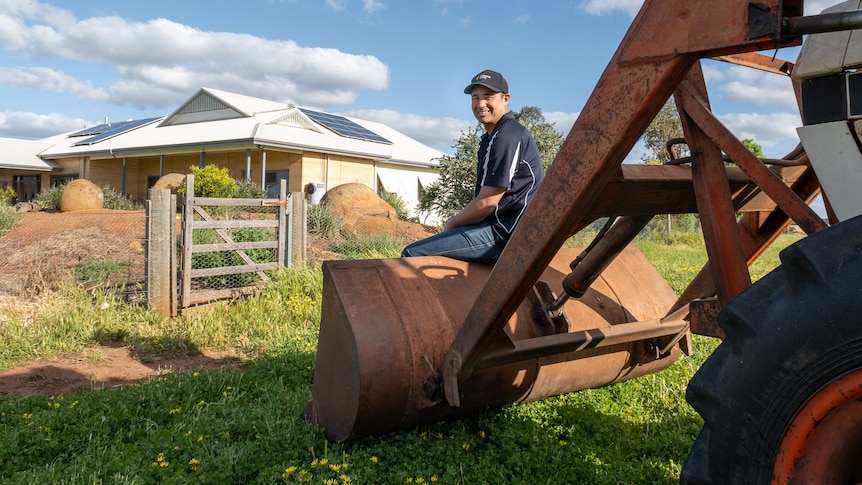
(67, 64)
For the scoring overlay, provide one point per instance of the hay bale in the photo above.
(361, 210)
(81, 194)
(172, 181)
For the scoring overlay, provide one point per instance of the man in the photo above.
(509, 171)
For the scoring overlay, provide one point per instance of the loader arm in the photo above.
(666, 39)
(411, 341)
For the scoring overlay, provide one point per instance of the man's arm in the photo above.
(479, 208)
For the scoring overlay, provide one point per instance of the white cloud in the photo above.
(32, 126)
(440, 133)
(335, 5)
(759, 88)
(562, 121)
(372, 7)
(169, 60)
(601, 7)
(776, 130)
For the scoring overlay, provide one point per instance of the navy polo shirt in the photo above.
(509, 157)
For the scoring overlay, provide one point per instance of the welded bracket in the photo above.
(541, 298)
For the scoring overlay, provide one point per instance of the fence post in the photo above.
(299, 227)
(159, 250)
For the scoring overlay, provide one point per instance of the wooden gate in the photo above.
(228, 245)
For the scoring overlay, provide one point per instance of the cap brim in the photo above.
(470, 87)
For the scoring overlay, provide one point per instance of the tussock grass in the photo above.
(247, 426)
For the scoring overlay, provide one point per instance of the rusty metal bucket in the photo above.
(387, 323)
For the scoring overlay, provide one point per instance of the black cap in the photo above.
(492, 80)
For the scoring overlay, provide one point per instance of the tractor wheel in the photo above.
(781, 397)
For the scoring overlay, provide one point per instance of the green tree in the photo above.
(753, 147)
(456, 185)
(664, 127)
(548, 139)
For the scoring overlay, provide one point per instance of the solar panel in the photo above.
(93, 130)
(105, 131)
(344, 127)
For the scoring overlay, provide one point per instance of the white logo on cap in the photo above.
(482, 77)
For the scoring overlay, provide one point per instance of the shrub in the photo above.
(115, 200)
(246, 189)
(212, 181)
(7, 195)
(397, 203)
(8, 219)
(323, 220)
(49, 199)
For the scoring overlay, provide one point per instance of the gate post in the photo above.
(299, 227)
(159, 252)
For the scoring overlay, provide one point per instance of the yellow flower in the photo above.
(289, 471)
(373, 459)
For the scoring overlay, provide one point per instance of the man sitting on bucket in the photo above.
(508, 172)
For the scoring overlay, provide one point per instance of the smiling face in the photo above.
(489, 106)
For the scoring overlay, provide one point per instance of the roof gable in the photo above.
(214, 105)
(295, 118)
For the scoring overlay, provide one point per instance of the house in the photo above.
(255, 139)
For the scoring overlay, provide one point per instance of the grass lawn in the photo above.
(247, 426)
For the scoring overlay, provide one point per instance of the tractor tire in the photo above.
(781, 397)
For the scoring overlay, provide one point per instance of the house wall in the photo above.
(342, 170)
(304, 168)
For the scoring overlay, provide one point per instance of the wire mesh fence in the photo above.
(234, 246)
(47, 251)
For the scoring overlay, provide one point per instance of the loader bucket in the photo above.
(387, 323)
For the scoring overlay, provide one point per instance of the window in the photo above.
(273, 179)
(62, 179)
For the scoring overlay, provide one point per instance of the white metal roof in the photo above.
(217, 120)
(24, 155)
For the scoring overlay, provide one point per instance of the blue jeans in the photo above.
(467, 243)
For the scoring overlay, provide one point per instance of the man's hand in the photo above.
(479, 208)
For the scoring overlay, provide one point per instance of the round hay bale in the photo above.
(172, 181)
(361, 210)
(81, 194)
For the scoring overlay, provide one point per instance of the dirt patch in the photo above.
(102, 367)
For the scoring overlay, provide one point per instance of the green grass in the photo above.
(247, 426)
